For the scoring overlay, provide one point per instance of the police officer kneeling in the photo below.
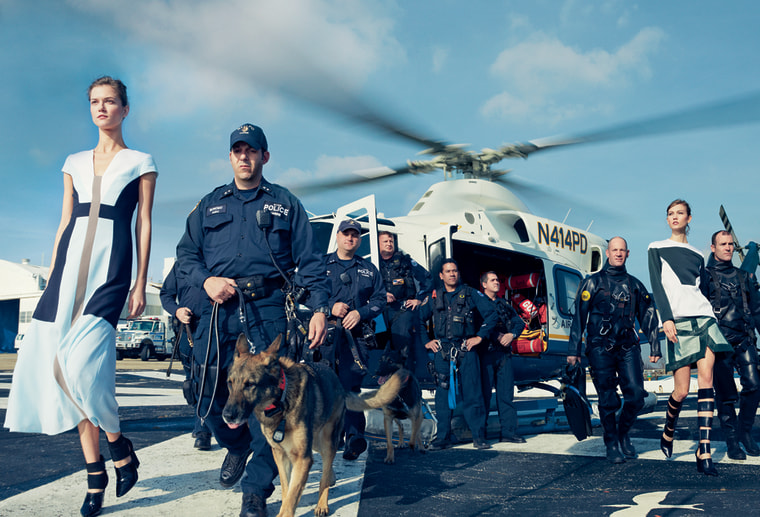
(243, 242)
(736, 303)
(606, 305)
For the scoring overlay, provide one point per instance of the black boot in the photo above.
(97, 479)
(705, 409)
(668, 432)
(626, 447)
(613, 453)
(747, 410)
(126, 476)
(729, 425)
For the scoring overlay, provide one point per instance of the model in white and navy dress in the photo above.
(66, 369)
(676, 271)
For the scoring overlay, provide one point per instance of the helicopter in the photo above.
(474, 217)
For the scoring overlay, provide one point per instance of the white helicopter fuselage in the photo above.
(485, 227)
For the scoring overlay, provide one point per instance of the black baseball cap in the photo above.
(350, 224)
(251, 135)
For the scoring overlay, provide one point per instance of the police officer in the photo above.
(185, 303)
(407, 284)
(736, 304)
(357, 297)
(496, 359)
(240, 244)
(606, 305)
(462, 319)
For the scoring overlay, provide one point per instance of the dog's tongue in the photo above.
(233, 426)
(381, 380)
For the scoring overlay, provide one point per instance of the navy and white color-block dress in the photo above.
(676, 271)
(66, 368)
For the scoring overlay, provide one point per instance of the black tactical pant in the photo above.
(745, 360)
(496, 371)
(610, 369)
(266, 319)
(471, 388)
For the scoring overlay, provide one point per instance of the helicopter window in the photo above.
(322, 232)
(436, 254)
(521, 230)
(469, 217)
(567, 282)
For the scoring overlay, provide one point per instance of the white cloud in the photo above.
(543, 67)
(205, 53)
(440, 57)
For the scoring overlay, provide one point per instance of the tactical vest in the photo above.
(456, 322)
(738, 317)
(398, 276)
(617, 324)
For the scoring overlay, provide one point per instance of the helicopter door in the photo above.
(362, 210)
(438, 247)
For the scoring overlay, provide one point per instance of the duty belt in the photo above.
(256, 286)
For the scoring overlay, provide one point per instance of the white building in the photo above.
(21, 286)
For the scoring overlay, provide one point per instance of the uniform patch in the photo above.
(585, 296)
(398, 281)
(364, 272)
(277, 209)
(216, 209)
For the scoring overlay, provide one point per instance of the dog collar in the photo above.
(278, 405)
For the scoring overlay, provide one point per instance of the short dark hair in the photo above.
(484, 276)
(116, 84)
(448, 261)
(386, 232)
(719, 232)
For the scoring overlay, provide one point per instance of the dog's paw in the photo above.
(390, 460)
(321, 511)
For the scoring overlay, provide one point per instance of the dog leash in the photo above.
(213, 330)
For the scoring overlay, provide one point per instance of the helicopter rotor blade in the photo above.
(739, 110)
(730, 229)
(347, 180)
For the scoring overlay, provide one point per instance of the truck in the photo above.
(144, 338)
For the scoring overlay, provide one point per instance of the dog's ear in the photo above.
(242, 348)
(274, 348)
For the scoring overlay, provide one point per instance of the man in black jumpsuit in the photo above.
(606, 305)
(463, 318)
(736, 304)
(407, 284)
(240, 241)
(496, 359)
(357, 296)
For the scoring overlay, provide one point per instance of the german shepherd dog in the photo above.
(300, 408)
(407, 405)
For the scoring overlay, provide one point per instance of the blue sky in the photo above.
(478, 72)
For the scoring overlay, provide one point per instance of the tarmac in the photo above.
(551, 474)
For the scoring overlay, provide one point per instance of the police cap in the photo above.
(350, 224)
(251, 135)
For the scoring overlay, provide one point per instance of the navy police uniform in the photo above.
(606, 306)
(736, 303)
(176, 293)
(406, 280)
(496, 367)
(457, 316)
(230, 234)
(357, 283)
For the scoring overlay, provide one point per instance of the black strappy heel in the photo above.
(96, 479)
(126, 476)
(671, 417)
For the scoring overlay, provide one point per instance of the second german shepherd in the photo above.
(300, 408)
(408, 404)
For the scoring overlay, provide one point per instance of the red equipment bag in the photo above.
(530, 343)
